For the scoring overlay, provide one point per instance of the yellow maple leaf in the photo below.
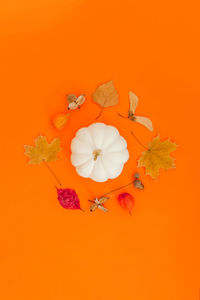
(42, 151)
(157, 156)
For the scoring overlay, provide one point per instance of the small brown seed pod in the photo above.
(136, 175)
(138, 184)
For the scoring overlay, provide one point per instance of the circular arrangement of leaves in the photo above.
(156, 154)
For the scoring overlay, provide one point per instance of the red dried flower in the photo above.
(68, 198)
(126, 201)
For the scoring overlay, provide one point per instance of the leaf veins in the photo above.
(43, 151)
(157, 156)
(105, 95)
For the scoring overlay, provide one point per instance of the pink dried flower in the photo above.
(68, 198)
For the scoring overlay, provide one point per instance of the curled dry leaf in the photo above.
(59, 121)
(75, 102)
(105, 95)
(42, 151)
(157, 156)
(131, 113)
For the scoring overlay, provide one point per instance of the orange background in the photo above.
(53, 47)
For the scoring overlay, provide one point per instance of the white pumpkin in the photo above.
(99, 152)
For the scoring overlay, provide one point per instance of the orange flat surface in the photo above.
(53, 47)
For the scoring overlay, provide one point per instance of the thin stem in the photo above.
(54, 175)
(122, 116)
(139, 141)
(121, 187)
(99, 115)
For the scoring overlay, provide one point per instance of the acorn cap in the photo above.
(137, 175)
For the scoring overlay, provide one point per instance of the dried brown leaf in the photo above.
(105, 95)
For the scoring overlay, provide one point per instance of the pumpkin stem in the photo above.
(96, 153)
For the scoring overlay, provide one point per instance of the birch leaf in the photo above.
(105, 95)
(42, 151)
(157, 156)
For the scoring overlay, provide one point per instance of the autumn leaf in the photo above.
(42, 151)
(105, 95)
(157, 156)
(68, 199)
(131, 113)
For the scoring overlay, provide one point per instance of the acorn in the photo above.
(138, 184)
(137, 175)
